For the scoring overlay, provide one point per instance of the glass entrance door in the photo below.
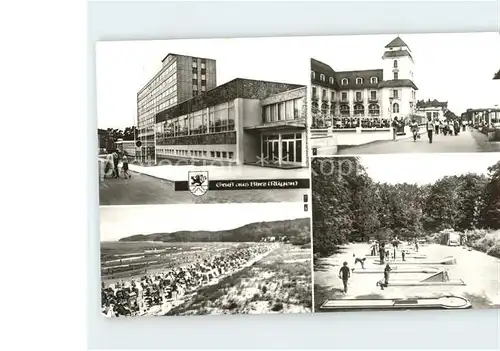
(282, 149)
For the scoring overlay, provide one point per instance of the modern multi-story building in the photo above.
(180, 78)
(434, 109)
(369, 98)
(240, 122)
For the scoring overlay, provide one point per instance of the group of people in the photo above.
(112, 161)
(435, 127)
(385, 254)
(138, 297)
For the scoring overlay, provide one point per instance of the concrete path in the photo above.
(464, 142)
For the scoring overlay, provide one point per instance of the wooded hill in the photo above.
(297, 231)
(349, 206)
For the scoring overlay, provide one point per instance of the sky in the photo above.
(425, 168)
(123, 68)
(121, 221)
(457, 68)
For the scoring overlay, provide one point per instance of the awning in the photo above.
(278, 125)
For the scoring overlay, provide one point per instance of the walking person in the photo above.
(108, 167)
(381, 252)
(430, 129)
(345, 274)
(395, 126)
(464, 124)
(115, 164)
(456, 127)
(126, 175)
(436, 127)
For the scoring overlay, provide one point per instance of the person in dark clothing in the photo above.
(403, 255)
(359, 260)
(430, 129)
(116, 159)
(381, 252)
(345, 274)
(385, 283)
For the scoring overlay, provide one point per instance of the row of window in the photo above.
(154, 108)
(214, 119)
(203, 77)
(343, 81)
(195, 63)
(358, 95)
(373, 109)
(153, 84)
(228, 155)
(286, 110)
(160, 93)
(359, 80)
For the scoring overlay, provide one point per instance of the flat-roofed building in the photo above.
(240, 122)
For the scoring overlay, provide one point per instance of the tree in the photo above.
(490, 213)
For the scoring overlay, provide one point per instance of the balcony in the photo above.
(324, 98)
(344, 101)
(373, 99)
(314, 97)
(359, 99)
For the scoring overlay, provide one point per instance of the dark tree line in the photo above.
(349, 206)
(108, 137)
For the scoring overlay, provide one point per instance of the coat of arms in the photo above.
(198, 182)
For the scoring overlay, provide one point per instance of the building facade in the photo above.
(434, 109)
(241, 122)
(180, 78)
(365, 98)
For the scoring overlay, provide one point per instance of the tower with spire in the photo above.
(398, 90)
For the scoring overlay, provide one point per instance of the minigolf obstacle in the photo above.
(396, 269)
(450, 260)
(443, 302)
(437, 279)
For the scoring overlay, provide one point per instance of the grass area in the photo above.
(281, 282)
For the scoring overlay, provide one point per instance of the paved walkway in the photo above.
(143, 189)
(464, 142)
(180, 173)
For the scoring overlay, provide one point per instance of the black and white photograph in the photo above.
(205, 259)
(201, 121)
(406, 232)
(411, 93)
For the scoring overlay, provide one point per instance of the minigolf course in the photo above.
(444, 302)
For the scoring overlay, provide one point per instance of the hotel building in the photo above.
(240, 122)
(180, 78)
(369, 98)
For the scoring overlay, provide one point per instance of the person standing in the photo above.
(116, 159)
(381, 252)
(395, 126)
(345, 274)
(126, 175)
(436, 127)
(464, 124)
(430, 129)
